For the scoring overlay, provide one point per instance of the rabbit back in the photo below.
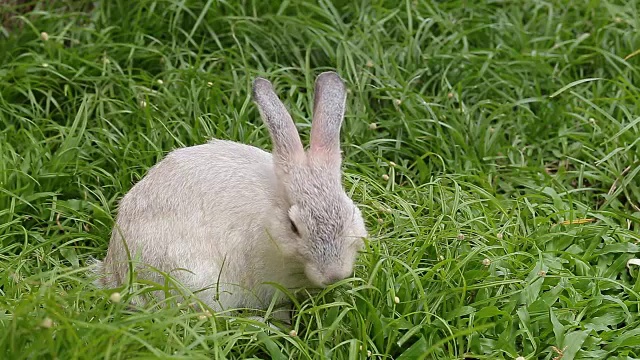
(204, 209)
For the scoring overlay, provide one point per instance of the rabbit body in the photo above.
(226, 219)
(202, 207)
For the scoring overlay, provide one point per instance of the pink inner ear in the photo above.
(323, 158)
(321, 142)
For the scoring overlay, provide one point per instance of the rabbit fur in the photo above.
(226, 218)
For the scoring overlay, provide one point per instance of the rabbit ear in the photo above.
(286, 141)
(328, 112)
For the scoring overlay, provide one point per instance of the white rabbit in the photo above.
(228, 217)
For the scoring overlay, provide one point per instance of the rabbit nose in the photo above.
(333, 277)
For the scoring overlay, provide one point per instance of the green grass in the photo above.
(501, 126)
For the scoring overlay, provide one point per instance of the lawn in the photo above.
(493, 147)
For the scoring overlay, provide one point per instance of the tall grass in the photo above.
(494, 148)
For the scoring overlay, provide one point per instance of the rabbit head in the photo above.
(319, 225)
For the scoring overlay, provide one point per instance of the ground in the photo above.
(493, 147)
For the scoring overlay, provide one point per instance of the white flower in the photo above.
(204, 315)
(47, 323)
(633, 262)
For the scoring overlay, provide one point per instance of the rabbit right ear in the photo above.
(286, 141)
(328, 113)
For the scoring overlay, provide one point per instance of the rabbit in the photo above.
(227, 218)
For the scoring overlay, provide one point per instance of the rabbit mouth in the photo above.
(301, 280)
(325, 277)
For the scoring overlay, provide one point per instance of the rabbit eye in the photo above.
(294, 228)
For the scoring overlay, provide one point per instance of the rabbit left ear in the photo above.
(286, 141)
(328, 113)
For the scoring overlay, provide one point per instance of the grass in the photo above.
(509, 132)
